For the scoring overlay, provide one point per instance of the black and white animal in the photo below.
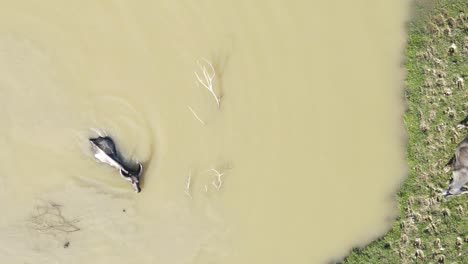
(459, 166)
(104, 150)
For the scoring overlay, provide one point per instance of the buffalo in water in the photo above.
(104, 150)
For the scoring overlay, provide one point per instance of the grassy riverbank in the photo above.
(430, 229)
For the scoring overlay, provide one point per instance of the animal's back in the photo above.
(106, 144)
(459, 170)
(461, 155)
(462, 159)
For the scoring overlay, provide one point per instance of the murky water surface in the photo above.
(308, 134)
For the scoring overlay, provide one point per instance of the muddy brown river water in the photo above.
(308, 136)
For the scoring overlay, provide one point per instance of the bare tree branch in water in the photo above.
(48, 218)
(207, 79)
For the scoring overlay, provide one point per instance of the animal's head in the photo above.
(135, 183)
(133, 177)
(457, 183)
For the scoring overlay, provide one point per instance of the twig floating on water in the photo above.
(187, 185)
(195, 114)
(208, 78)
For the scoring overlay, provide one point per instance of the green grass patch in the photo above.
(430, 228)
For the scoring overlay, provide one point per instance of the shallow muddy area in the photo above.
(298, 164)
